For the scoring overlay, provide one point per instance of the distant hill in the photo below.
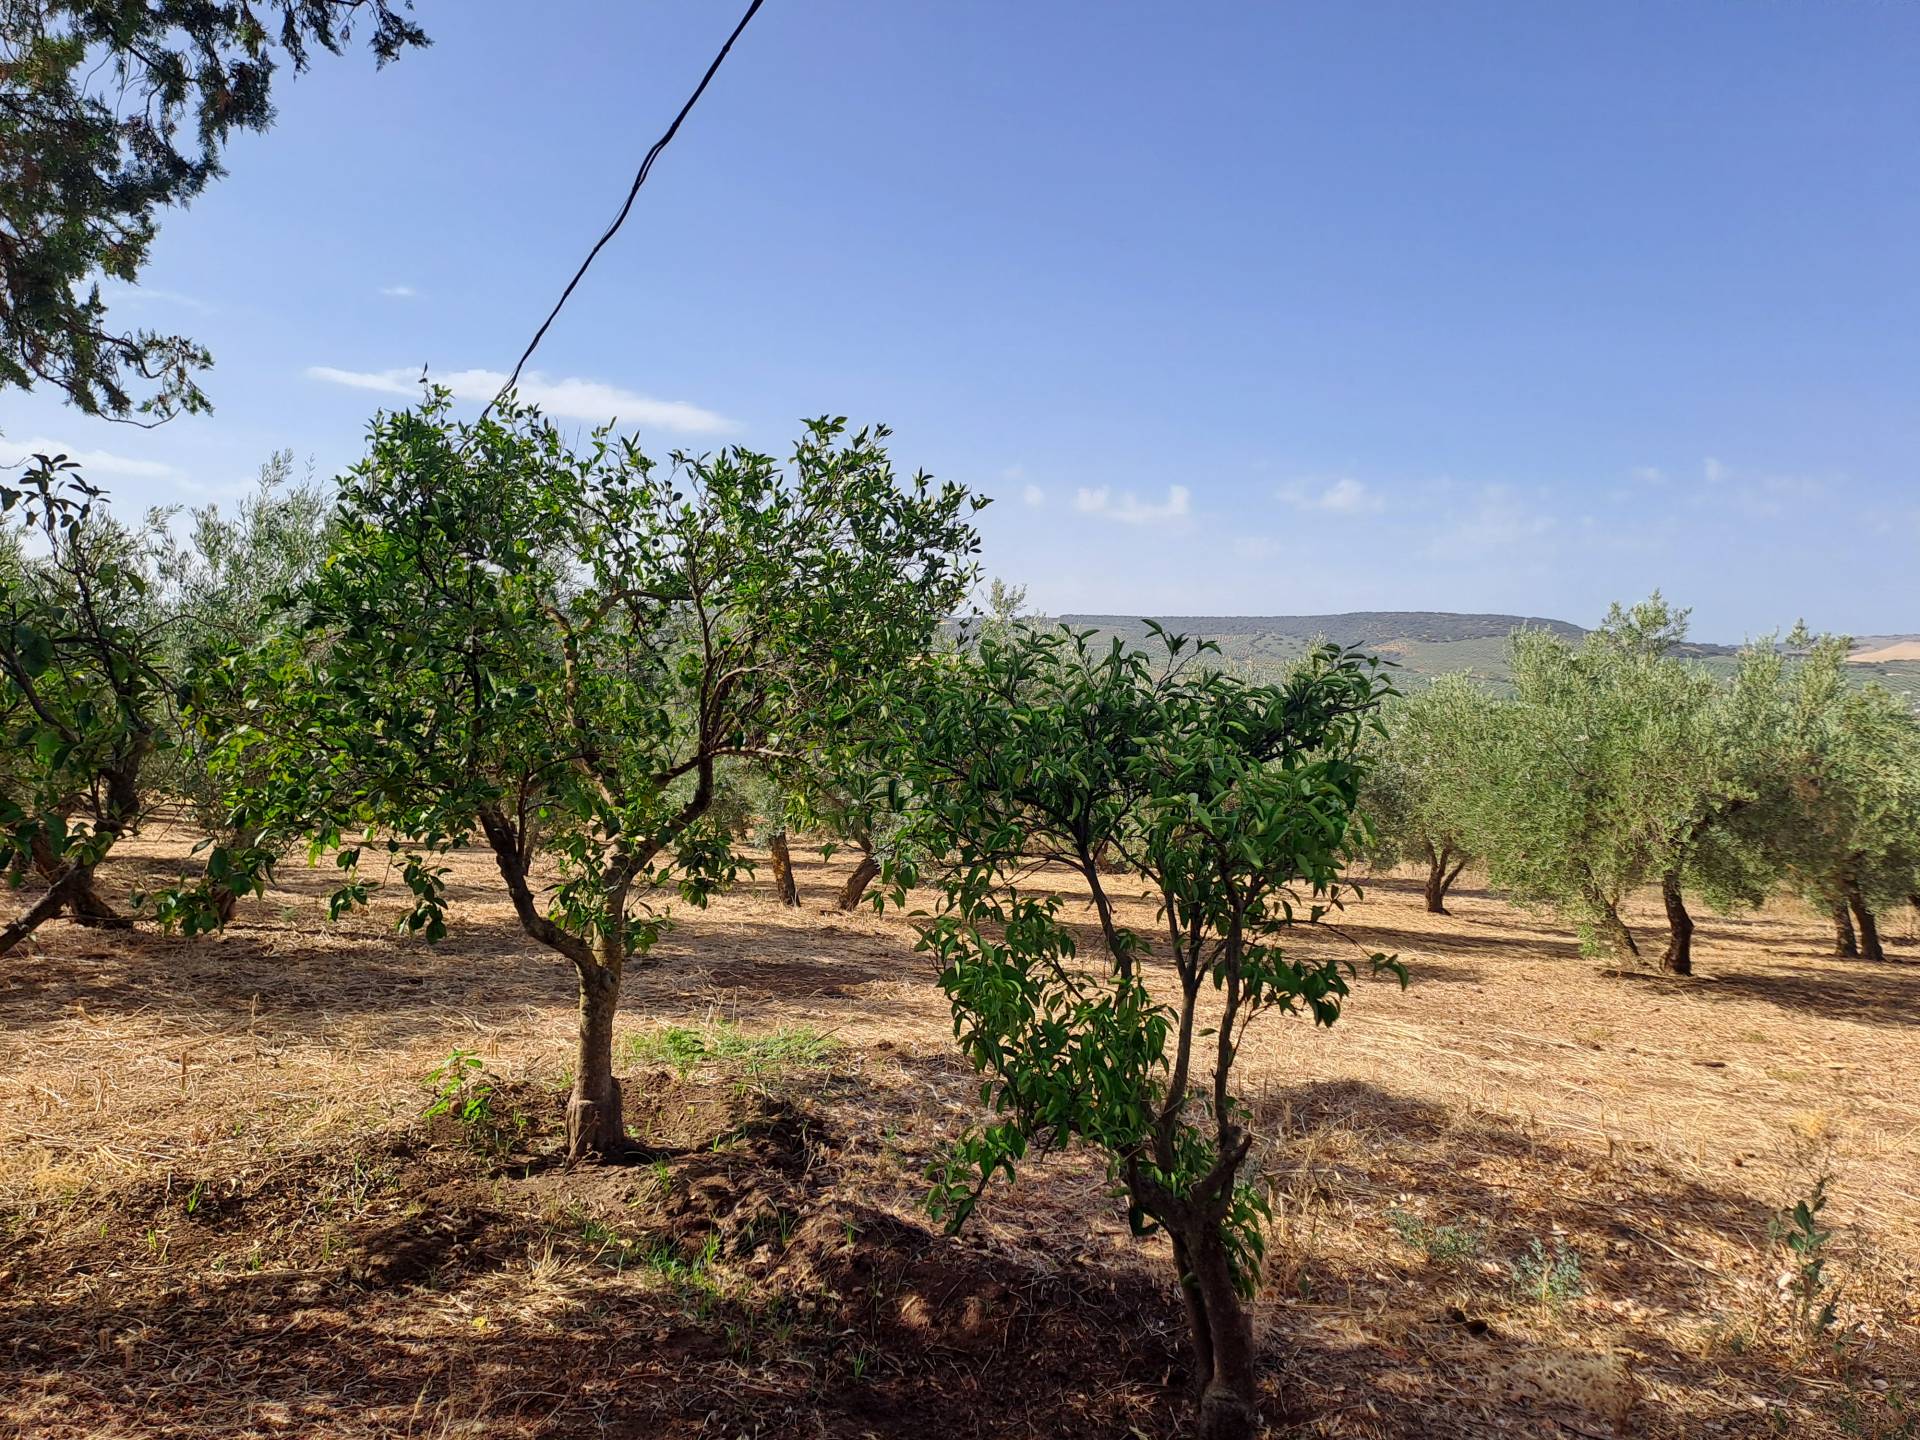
(1878, 649)
(1356, 627)
(1435, 642)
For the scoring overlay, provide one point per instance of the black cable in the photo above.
(639, 179)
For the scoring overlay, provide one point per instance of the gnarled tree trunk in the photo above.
(856, 887)
(29, 920)
(69, 889)
(1678, 959)
(1612, 929)
(1442, 871)
(782, 858)
(1864, 923)
(1844, 943)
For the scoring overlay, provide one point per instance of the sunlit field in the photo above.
(1523, 1196)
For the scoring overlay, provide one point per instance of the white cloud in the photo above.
(1344, 496)
(1499, 521)
(387, 382)
(1760, 496)
(91, 462)
(572, 398)
(119, 292)
(399, 292)
(1129, 509)
(1033, 495)
(1649, 474)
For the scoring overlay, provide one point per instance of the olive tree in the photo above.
(1235, 802)
(554, 651)
(1424, 771)
(224, 582)
(1617, 764)
(1842, 811)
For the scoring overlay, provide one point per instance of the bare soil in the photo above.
(222, 1212)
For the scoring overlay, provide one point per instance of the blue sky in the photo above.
(1234, 308)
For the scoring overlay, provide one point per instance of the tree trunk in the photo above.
(858, 881)
(43, 909)
(596, 1127)
(1227, 1398)
(1679, 957)
(1615, 932)
(72, 891)
(81, 900)
(1844, 945)
(1866, 925)
(1440, 877)
(783, 882)
(87, 908)
(1199, 1332)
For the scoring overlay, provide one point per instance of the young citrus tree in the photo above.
(1235, 803)
(554, 651)
(100, 624)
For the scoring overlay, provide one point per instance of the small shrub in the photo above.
(1806, 1286)
(1549, 1278)
(461, 1090)
(1444, 1245)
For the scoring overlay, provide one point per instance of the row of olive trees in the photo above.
(1617, 764)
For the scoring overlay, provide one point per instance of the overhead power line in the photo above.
(639, 179)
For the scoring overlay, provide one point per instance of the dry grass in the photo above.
(224, 1216)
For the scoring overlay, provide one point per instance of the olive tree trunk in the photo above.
(1611, 929)
(1678, 959)
(1844, 943)
(1865, 924)
(1442, 871)
(782, 858)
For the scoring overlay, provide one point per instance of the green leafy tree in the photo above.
(1843, 811)
(1617, 764)
(101, 624)
(225, 583)
(1424, 772)
(82, 694)
(1234, 802)
(111, 112)
(557, 652)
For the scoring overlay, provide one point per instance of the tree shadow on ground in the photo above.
(1858, 990)
(290, 975)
